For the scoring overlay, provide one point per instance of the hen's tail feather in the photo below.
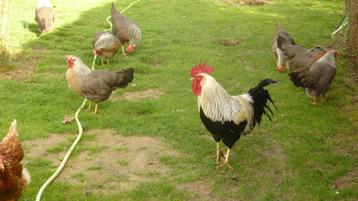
(280, 41)
(26, 175)
(114, 9)
(260, 97)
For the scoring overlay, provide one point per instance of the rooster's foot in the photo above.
(225, 164)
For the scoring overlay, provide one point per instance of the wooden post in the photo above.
(352, 13)
(4, 5)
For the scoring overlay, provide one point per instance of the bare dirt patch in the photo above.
(229, 42)
(138, 95)
(246, 2)
(347, 181)
(108, 162)
(200, 188)
(23, 68)
(344, 143)
(38, 148)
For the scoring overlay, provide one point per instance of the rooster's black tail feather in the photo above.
(260, 97)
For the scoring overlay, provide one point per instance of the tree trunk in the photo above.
(352, 13)
(3, 29)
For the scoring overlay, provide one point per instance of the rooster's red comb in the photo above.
(201, 68)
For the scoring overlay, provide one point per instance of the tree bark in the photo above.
(352, 13)
(3, 29)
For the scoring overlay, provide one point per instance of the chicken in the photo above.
(105, 45)
(309, 69)
(44, 15)
(280, 57)
(318, 77)
(228, 117)
(125, 30)
(13, 177)
(96, 86)
(299, 56)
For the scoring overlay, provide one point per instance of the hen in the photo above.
(13, 177)
(105, 45)
(44, 15)
(228, 117)
(280, 57)
(96, 86)
(125, 30)
(310, 70)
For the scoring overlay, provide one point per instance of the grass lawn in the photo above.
(301, 155)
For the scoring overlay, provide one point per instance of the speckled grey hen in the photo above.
(96, 86)
(126, 30)
(105, 45)
(309, 69)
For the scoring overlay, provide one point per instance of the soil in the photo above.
(105, 158)
(246, 2)
(349, 180)
(138, 95)
(200, 188)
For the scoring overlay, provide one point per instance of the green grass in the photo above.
(296, 157)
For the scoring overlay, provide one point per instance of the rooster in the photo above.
(13, 177)
(228, 117)
(310, 70)
(96, 86)
(280, 57)
(44, 15)
(105, 45)
(125, 30)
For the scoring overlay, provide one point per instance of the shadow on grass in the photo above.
(32, 27)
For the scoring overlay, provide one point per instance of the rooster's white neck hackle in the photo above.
(328, 58)
(215, 102)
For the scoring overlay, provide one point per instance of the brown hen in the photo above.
(13, 177)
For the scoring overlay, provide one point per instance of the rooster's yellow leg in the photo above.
(95, 108)
(89, 106)
(218, 154)
(226, 162)
(107, 61)
(102, 61)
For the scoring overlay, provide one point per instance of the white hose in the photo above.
(69, 152)
(67, 156)
(80, 129)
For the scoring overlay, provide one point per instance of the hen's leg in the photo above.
(107, 61)
(95, 108)
(123, 52)
(102, 61)
(89, 106)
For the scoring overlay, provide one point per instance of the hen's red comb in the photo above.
(201, 68)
